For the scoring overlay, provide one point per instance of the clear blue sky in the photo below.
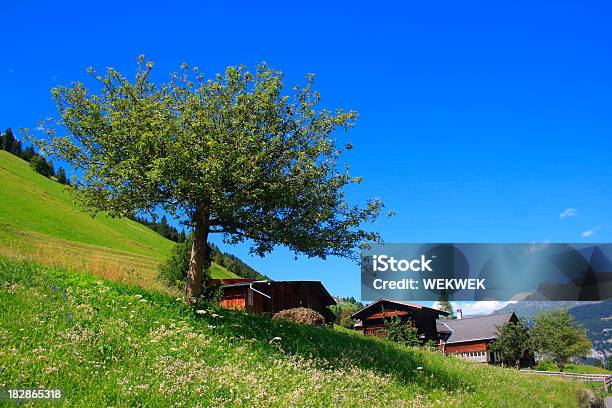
(478, 122)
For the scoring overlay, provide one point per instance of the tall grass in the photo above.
(108, 263)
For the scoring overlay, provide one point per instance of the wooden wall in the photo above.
(283, 295)
(424, 322)
(466, 347)
(236, 301)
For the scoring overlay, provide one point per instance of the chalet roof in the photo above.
(372, 308)
(473, 328)
(317, 284)
(245, 283)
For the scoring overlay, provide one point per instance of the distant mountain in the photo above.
(595, 317)
(527, 309)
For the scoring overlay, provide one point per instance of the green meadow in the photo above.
(111, 344)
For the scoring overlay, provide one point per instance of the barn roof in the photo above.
(372, 308)
(473, 328)
(329, 299)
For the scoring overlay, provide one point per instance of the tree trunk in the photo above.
(560, 364)
(200, 258)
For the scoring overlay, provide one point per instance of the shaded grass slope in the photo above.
(110, 344)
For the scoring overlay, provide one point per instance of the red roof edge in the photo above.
(414, 305)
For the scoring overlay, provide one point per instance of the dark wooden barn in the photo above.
(265, 297)
(423, 318)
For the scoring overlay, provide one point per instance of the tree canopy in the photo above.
(512, 342)
(234, 155)
(555, 335)
(401, 332)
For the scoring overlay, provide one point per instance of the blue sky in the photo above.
(479, 122)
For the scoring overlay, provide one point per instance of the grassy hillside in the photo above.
(39, 220)
(110, 344)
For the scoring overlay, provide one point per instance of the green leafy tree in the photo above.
(555, 335)
(234, 155)
(512, 343)
(401, 332)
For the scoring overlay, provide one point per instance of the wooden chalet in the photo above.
(423, 318)
(266, 297)
(470, 337)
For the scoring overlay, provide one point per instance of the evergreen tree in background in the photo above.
(7, 142)
(50, 169)
(61, 176)
(39, 165)
(162, 227)
(166, 230)
(234, 264)
(17, 148)
(28, 154)
(445, 305)
(10, 144)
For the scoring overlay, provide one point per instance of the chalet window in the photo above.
(250, 298)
